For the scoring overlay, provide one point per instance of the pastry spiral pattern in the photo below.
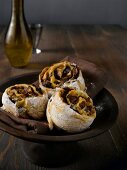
(25, 100)
(71, 110)
(61, 75)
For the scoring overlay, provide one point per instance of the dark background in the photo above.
(70, 11)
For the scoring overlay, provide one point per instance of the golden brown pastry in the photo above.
(24, 100)
(71, 110)
(63, 74)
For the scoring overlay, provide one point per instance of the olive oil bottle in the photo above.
(18, 42)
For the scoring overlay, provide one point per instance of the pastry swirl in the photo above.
(71, 110)
(25, 100)
(61, 74)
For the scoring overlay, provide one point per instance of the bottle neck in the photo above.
(18, 8)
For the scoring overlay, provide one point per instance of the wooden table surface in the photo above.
(106, 46)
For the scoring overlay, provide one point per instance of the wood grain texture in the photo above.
(106, 46)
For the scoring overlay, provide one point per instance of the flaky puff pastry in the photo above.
(25, 100)
(71, 110)
(63, 74)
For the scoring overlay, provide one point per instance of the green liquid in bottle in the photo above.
(18, 40)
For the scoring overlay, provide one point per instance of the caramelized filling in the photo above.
(58, 74)
(78, 101)
(20, 92)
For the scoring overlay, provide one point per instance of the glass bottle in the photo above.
(18, 42)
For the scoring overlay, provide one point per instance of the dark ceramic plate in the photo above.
(106, 106)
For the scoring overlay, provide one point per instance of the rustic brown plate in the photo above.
(106, 106)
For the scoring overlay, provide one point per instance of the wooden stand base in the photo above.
(51, 154)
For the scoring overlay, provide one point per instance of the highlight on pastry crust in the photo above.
(71, 110)
(25, 100)
(61, 75)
